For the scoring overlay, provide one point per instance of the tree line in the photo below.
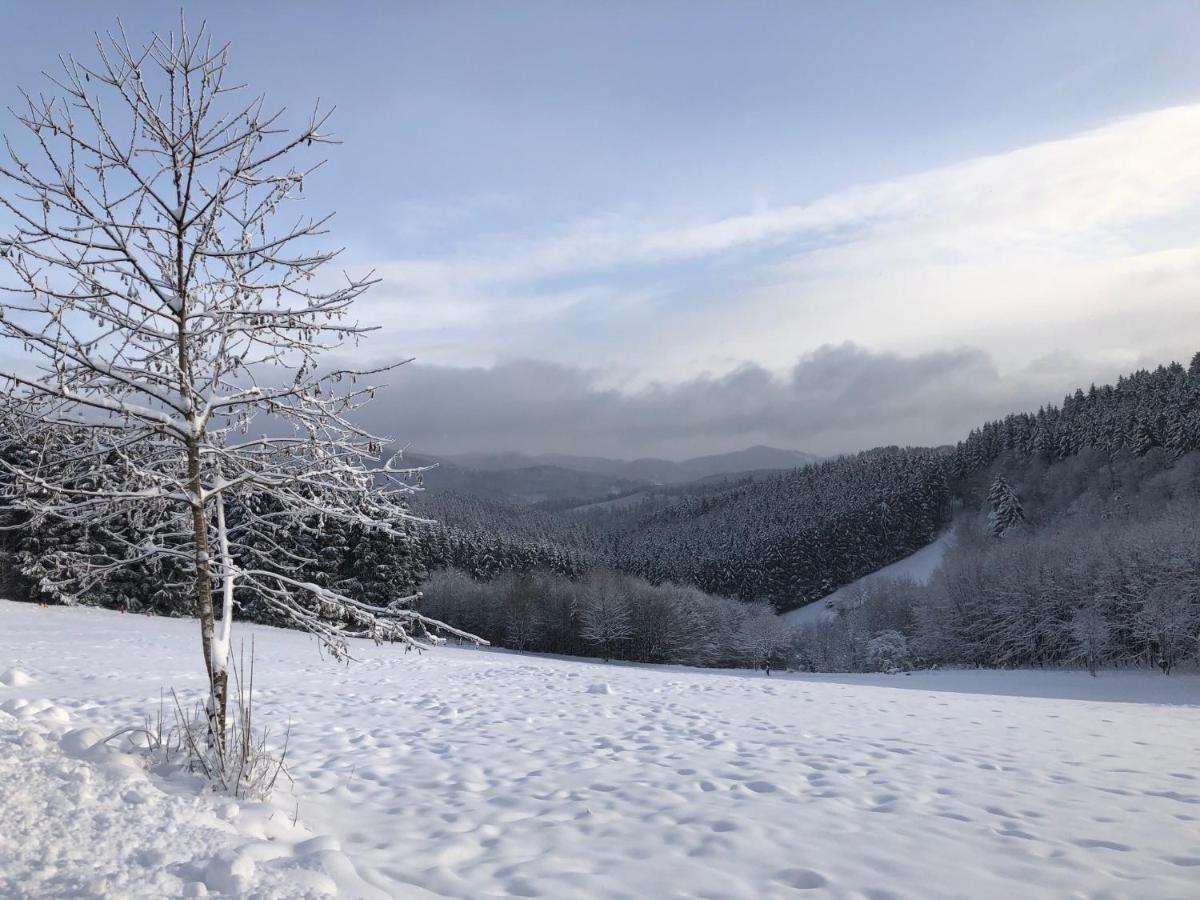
(610, 615)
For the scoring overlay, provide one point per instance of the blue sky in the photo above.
(639, 203)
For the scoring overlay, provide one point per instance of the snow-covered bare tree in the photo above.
(173, 312)
(1166, 621)
(1092, 634)
(604, 612)
(762, 638)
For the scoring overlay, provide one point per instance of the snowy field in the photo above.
(468, 773)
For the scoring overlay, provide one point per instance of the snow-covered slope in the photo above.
(466, 773)
(918, 566)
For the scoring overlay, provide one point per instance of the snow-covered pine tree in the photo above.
(1006, 507)
(1141, 437)
(1176, 437)
(173, 314)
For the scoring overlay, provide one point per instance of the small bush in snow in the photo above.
(888, 652)
(244, 765)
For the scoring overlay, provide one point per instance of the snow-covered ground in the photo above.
(467, 773)
(918, 566)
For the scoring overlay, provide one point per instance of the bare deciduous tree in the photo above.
(763, 637)
(173, 313)
(604, 612)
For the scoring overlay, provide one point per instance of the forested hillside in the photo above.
(1141, 412)
(487, 537)
(1101, 567)
(793, 537)
(784, 539)
(1080, 544)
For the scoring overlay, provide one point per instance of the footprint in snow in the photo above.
(1092, 843)
(802, 879)
(14, 677)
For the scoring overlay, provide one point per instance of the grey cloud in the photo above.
(837, 398)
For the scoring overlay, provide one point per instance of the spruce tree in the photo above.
(1006, 507)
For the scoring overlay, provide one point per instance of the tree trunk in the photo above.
(218, 678)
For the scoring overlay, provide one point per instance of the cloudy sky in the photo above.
(680, 228)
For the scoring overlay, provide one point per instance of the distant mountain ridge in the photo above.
(520, 485)
(647, 470)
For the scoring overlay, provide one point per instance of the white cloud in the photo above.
(1021, 253)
